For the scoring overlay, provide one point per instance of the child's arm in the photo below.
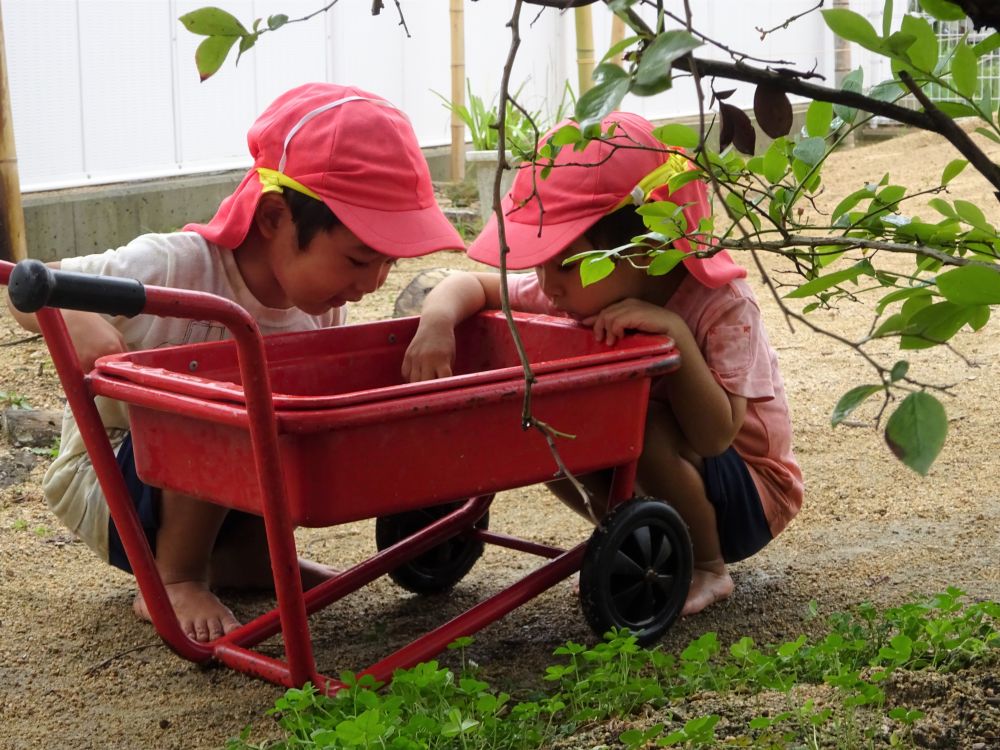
(92, 335)
(457, 297)
(706, 413)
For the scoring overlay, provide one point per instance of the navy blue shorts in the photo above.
(739, 516)
(146, 500)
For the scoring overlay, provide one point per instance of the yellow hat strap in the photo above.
(675, 164)
(274, 181)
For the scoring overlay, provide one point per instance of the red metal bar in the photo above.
(102, 456)
(516, 543)
(481, 615)
(368, 570)
(263, 436)
(622, 483)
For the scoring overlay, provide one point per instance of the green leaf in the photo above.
(886, 91)
(212, 22)
(970, 285)
(853, 81)
(899, 370)
(989, 134)
(980, 317)
(653, 74)
(621, 46)
(850, 401)
(901, 294)
(956, 109)
(965, 70)
(853, 27)
(821, 283)
(827, 254)
(810, 150)
(851, 201)
(916, 431)
(886, 17)
(599, 101)
(987, 45)
(776, 161)
(211, 53)
(942, 207)
(934, 325)
(923, 53)
(818, 119)
(893, 324)
(595, 268)
(665, 262)
(677, 135)
(942, 10)
(276, 21)
(566, 135)
(608, 72)
(954, 168)
(972, 214)
(681, 179)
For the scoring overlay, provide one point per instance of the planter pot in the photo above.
(482, 167)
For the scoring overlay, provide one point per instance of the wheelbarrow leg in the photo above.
(102, 456)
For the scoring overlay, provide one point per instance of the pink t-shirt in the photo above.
(728, 329)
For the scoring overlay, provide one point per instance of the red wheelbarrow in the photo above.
(334, 435)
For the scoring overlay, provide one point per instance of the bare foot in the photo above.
(710, 583)
(201, 615)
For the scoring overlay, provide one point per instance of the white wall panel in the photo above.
(126, 86)
(44, 76)
(107, 90)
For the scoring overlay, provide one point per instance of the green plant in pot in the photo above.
(481, 120)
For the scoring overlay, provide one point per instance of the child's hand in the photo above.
(611, 323)
(92, 336)
(431, 352)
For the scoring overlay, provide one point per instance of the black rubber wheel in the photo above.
(636, 570)
(439, 568)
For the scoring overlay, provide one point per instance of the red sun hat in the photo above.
(543, 216)
(350, 149)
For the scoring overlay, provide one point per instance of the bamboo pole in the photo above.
(584, 47)
(457, 90)
(842, 62)
(13, 245)
(617, 34)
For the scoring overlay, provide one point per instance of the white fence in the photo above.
(107, 91)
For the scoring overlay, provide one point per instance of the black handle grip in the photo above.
(33, 285)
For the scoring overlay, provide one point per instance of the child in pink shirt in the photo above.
(718, 434)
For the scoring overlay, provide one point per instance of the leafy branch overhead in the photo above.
(926, 263)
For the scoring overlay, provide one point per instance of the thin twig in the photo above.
(97, 667)
(36, 337)
(764, 32)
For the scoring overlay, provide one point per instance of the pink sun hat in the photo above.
(543, 216)
(352, 150)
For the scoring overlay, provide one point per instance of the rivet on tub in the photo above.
(193, 365)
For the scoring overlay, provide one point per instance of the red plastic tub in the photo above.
(355, 441)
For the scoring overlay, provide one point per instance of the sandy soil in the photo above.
(78, 670)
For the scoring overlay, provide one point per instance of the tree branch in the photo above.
(789, 82)
(958, 137)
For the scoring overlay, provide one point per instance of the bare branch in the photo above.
(791, 19)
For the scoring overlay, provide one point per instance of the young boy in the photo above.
(718, 434)
(339, 190)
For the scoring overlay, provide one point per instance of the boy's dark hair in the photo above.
(310, 216)
(616, 229)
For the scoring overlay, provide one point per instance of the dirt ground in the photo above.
(78, 670)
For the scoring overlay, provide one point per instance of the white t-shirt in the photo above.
(182, 260)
